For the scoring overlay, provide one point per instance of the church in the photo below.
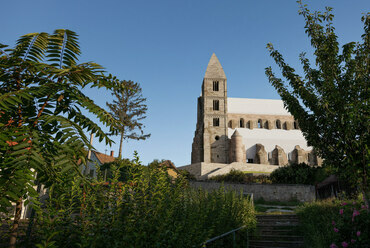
(242, 133)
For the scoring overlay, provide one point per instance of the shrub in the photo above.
(335, 224)
(148, 210)
(298, 174)
(236, 176)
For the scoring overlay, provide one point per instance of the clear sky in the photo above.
(165, 45)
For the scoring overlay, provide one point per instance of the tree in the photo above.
(42, 125)
(129, 110)
(331, 102)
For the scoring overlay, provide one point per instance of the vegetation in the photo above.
(335, 223)
(298, 174)
(148, 210)
(331, 101)
(235, 176)
(41, 118)
(129, 110)
(155, 163)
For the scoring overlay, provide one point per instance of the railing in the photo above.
(226, 234)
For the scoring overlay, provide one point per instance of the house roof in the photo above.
(256, 106)
(103, 158)
(168, 164)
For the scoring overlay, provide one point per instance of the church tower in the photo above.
(210, 142)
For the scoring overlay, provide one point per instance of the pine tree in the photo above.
(129, 109)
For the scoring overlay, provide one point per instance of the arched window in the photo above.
(216, 105)
(295, 124)
(230, 124)
(259, 123)
(241, 122)
(266, 125)
(248, 124)
(278, 124)
(285, 126)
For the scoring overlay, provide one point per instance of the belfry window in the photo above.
(278, 124)
(241, 122)
(215, 86)
(216, 122)
(216, 105)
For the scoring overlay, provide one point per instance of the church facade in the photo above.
(241, 133)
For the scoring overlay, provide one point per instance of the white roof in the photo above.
(256, 106)
(286, 139)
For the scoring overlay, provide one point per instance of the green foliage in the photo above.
(124, 166)
(155, 163)
(331, 101)
(187, 175)
(148, 210)
(129, 110)
(235, 176)
(324, 223)
(41, 118)
(298, 174)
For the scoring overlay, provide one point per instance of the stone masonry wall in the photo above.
(269, 192)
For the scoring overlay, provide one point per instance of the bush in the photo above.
(148, 210)
(187, 175)
(236, 176)
(298, 174)
(335, 224)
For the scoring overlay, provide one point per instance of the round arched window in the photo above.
(217, 137)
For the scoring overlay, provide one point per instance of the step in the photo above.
(277, 224)
(268, 243)
(263, 246)
(276, 237)
(277, 232)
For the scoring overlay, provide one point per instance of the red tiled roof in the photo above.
(103, 158)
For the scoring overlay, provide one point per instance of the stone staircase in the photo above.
(276, 231)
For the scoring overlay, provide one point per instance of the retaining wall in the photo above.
(269, 192)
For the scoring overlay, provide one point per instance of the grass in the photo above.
(270, 205)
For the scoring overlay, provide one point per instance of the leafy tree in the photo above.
(155, 163)
(42, 125)
(125, 167)
(331, 101)
(129, 110)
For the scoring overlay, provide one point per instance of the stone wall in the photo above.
(269, 192)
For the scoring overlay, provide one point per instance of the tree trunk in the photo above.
(120, 146)
(17, 217)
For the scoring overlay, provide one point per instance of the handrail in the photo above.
(204, 244)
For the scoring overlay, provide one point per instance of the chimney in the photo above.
(111, 153)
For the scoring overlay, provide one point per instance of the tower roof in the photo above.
(214, 68)
(236, 134)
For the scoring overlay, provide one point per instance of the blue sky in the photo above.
(165, 45)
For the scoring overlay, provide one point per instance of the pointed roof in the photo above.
(214, 68)
(236, 133)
